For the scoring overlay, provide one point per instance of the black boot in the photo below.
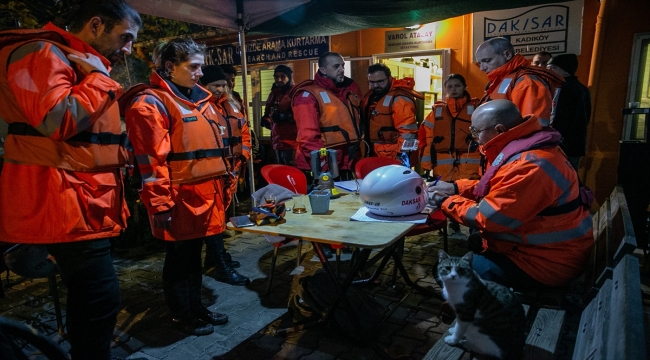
(197, 307)
(177, 298)
(223, 270)
(209, 262)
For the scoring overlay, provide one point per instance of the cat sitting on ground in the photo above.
(490, 319)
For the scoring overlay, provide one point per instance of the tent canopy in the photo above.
(318, 17)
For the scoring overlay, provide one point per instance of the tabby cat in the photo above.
(490, 320)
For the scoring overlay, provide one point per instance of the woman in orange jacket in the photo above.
(185, 175)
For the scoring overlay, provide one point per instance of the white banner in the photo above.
(423, 38)
(554, 28)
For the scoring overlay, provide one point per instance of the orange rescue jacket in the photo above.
(450, 149)
(533, 89)
(95, 142)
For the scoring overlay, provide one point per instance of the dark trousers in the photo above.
(93, 296)
(182, 258)
(499, 268)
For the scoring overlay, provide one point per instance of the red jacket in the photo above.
(534, 90)
(177, 125)
(279, 115)
(308, 119)
(551, 249)
(447, 128)
(44, 204)
(391, 119)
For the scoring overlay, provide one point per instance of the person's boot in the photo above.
(224, 271)
(198, 309)
(177, 298)
(209, 262)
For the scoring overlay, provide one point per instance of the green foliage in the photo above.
(138, 71)
(15, 14)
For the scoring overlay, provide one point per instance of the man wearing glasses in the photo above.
(389, 110)
(533, 89)
(534, 230)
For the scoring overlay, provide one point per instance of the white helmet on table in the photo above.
(393, 190)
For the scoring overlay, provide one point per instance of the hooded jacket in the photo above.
(551, 249)
(532, 89)
(390, 119)
(449, 148)
(316, 125)
(42, 199)
(170, 124)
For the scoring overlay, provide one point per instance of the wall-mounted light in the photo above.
(413, 27)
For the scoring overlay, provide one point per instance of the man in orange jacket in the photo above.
(327, 113)
(389, 110)
(543, 240)
(533, 89)
(61, 185)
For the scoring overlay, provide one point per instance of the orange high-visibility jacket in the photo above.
(278, 113)
(237, 136)
(181, 157)
(533, 89)
(551, 249)
(449, 148)
(327, 116)
(57, 115)
(391, 119)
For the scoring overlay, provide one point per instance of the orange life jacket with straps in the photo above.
(340, 123)
(99, 147)
(192, 157)
(232, 121)
(380, 119)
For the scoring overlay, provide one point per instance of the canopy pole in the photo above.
(244, 76)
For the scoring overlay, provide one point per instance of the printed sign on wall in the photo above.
(423, 38)
(554, 28)
(286, 48)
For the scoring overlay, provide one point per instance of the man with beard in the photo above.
(327, 113)
(389, 110)
(278, 117)
(61, 185)
(532, 89)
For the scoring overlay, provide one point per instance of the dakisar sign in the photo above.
(279, 49)
(554, 28)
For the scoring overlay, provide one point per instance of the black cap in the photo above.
(285, 70)
(212, 73)
(566, 62)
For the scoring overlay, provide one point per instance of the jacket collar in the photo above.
(327, 83)
(495, 76)
(199, 94)
(493, 147)
(77, 44)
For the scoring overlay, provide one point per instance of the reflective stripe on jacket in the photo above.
(533, 89)
(45, 204)
(551, 249)
(181, 158)
(391, 119)
(320, 107)
(447, 135)
(73, 131)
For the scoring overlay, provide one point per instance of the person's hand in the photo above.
(446, 188)
(435, 199)
(89, 63)
(162, 220)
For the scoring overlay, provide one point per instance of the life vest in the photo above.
(100, 147)
(552, 81)
(194, 157)
(340, 123)
(380, 119)
(232, 121)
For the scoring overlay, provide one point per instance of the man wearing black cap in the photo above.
(278, 117)
(573, 108)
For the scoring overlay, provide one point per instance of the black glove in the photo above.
(475, 243)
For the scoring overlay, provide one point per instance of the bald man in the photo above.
(534, 231)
